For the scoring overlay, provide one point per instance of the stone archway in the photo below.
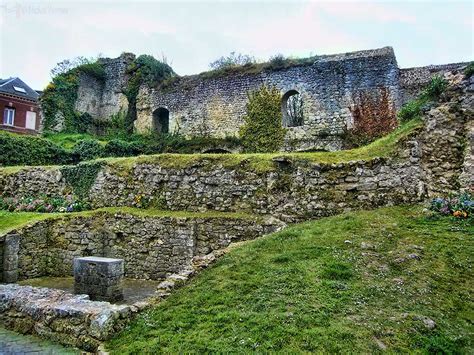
(292, 109)
(161, 120)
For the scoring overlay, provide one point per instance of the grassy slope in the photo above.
(9, 221)
(382, 147)
(68, 140)
(305, 289)
(13, 220)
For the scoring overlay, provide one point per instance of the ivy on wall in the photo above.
(59, 98)
(81, 177)
(263, 131)
(145, 69)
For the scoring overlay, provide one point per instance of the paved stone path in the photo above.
(13, 343)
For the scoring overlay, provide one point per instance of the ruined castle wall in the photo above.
(102, 99)
(330, 88)
(432, 162)
(414, 80)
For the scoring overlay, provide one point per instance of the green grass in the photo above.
(10, 221)
(262, 162)
(315, 288)
(259, 163)
(69, 140)
(14, 220)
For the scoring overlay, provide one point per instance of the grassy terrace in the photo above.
(382, 147)
(14, 220)
(392, 278)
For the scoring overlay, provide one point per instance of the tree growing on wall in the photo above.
(263, 131)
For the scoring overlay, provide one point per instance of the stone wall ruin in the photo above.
(214, 104)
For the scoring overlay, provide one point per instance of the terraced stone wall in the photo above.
(434, 160)
(152, 247)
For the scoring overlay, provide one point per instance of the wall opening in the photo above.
(161, 120)
(292, 109)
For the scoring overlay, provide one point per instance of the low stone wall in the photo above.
(152, 247)
(60, 316)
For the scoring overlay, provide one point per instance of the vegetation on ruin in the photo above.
(469, 71)
(30, 150)
(59, 97)
(261, 162)
(71, 148)
(264, 162)
(15, 220)
(396, 279)
(246, 65)
(10, 220)
(262, 131)
(81, 177)
(373, 117)
(427, 99)
(145, 69)
(232, 60)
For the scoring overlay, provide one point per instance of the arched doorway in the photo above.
(161, 120)
(292, 109)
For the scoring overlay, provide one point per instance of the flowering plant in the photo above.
(461, 206)
(42, 204)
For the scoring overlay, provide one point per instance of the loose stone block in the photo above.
(100, 278)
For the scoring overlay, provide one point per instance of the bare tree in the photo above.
(294, 109)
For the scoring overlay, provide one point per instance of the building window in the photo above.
(9, 116)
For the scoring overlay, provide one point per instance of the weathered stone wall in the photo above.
(414, 80)
(60, 316)
(102, 99)
(152, 247)
(329, 86)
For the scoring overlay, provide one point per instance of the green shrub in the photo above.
(263, 131)
(435, 88)
(278, 61)
(120, 148)
(410, 110)
(95, 69)
(28, 150)
(414, 108)
(88, 149)
(232, 60)
(82, 123)
(469, 70)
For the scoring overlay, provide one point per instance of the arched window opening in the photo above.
(161, 120)
(292, 109)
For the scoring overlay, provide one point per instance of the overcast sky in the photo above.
(35, 36)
